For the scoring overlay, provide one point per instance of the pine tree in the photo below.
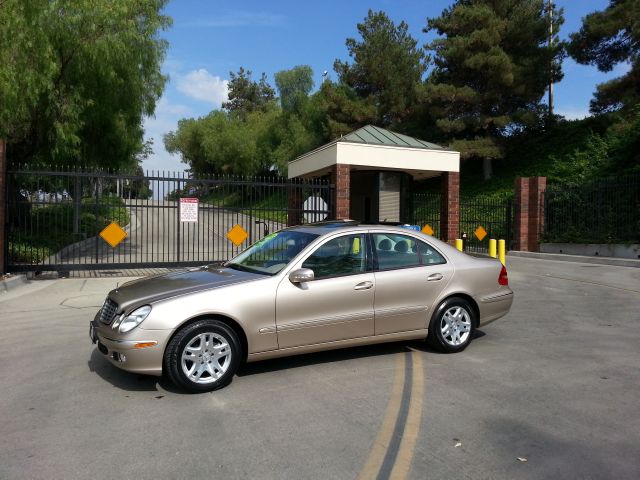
(492, 64)
(608, 38)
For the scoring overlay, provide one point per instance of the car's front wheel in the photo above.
(203, 356)
(452, 326)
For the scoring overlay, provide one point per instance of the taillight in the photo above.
(502, 278)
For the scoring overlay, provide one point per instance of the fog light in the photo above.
(119, 357)
(145, 344)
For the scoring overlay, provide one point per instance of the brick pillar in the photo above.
(294, 205)
(529, 212)
(450, 207)
(341, 178)
(537, 186)
(3, 206)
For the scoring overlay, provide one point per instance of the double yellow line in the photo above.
(395, 443)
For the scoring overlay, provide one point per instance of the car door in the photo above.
(409, 276)
(337, 304)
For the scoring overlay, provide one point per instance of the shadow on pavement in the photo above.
(125, 380)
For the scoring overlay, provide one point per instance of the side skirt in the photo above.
(352, 342)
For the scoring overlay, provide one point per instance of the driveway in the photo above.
(550, 391)
(155, 234)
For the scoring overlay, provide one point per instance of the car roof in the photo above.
(327, 227)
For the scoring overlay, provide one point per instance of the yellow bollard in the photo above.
(492, 248)
(459, 244)
(502, 254)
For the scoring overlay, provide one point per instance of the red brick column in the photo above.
(450, 207)
(3, 206)
(341, 178)
(529, 212)
(294, 204)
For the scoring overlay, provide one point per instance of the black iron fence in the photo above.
(490, 218)
(55, 217)
(482, 219)
(604, 211)
(426, 211)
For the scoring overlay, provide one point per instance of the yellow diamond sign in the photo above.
(480, 233)
(427, 229)
(237, 235)
(113, 234)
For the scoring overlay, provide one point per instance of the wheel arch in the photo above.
(233, 324)
(466, 297)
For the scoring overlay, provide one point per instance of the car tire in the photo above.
(452, 326)
(203, 356)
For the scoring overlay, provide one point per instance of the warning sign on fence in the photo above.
(188, 209)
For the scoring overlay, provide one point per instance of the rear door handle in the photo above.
(363, 286)
(434, 277)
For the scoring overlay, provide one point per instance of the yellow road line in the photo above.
(412, 427)
(381, 443)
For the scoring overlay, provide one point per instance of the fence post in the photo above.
(4, 229)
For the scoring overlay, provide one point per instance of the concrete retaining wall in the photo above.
(615, 250)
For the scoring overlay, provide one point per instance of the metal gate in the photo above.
(55, 217)
(494, 216)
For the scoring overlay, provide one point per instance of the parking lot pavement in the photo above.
(551, 391)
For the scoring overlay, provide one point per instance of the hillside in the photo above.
(575, 151)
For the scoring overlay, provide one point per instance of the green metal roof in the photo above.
(379, 136)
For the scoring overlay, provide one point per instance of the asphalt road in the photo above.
(550, 391)
(155, 234)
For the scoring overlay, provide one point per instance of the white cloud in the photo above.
(164, 121)
(201, 85)
(239, 19)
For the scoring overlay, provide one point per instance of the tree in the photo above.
(607, 38)
(492, 64)
(77, 77)
(380, 85)
(247, 95)
(225, 143)
(294, 86)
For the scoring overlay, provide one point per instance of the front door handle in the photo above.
(363, 286)
(434, 277)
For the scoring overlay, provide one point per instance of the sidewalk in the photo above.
(617, 262)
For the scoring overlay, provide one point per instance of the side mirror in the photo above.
(301, 275)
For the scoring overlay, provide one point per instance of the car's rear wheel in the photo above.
(452, 326)
(203, 356)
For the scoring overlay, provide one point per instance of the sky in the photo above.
(210, 38)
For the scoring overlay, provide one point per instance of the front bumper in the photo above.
(141, 351)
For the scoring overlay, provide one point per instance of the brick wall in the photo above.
(341, 178)
(3, 207)
(529, 212)
(450, 207)
(294, 206)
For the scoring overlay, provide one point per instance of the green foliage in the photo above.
(380, 86)
(491, 70)
(51, 227)
(77, 77)
(246, 95)
(609, 37)
(294, 86)
(252, 140)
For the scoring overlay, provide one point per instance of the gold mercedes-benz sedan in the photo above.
(303, 289)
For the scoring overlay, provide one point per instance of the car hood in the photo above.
(159, 287)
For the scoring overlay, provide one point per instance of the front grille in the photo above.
(108, 311)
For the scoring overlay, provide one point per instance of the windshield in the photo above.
(271, 254)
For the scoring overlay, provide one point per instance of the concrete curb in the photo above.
(617, 262)
(12, 283)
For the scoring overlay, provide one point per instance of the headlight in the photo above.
(134, 319)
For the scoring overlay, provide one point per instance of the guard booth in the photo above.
(373, 170)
